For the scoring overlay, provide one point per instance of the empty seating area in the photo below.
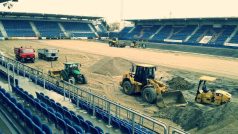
(49, 29)
(66, 119)
(24, 116)
(163, 33)
(182, 32)
(143, 32)
(77, 29)
(185, 34)
(124, 32)
(18, 28)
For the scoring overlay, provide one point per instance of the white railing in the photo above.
(94, 100)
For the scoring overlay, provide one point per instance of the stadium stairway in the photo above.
(63, 30)
(3, 31)
(35, 30)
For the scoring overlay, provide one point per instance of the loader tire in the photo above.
(72, 80)
(83, 80)
(127, 87)
(149, 94)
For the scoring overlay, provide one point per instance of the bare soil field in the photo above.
(104, 66)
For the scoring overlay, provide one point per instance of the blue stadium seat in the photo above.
(93, 130)
(67, 114)
(75, 119)
(85, 126)
(67, 121)
(28, 113)
(80, 117)
(71, 130)
(46, 129)
(19, 105)
(89, 123)
(29, 123)
(57, 114)
(79, 129)
(61, 124)
(52, 117)
(38, 130)
(36, 120)
(100, 131)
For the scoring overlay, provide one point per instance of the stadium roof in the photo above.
(1, 1)
(218, 19)
(45, 16)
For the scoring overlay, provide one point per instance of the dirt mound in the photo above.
(179, 83)
(111, 66)
(222, 118)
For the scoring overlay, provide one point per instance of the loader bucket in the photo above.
(171, 98)
(54, 73)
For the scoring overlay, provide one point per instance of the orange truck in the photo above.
(24, 54)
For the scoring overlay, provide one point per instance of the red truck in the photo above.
(25, 54)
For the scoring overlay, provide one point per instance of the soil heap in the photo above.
(179, 83)
(220, 119)
(111, 66)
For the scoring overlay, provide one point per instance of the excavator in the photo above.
(141, 79)
(206, 96)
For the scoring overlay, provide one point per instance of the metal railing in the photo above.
(94, 100)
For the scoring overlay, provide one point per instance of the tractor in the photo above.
(116, 43)
(207, 96)
(71, 73)
(141, 79)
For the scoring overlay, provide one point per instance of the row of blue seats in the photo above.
(49, 112)
(31, 122)
(124, 125)
(176, 32)
(16, 28)
(70, 117)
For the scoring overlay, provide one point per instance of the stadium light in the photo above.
(8, 3)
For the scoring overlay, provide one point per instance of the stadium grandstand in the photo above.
(16, 25)
(212, 32)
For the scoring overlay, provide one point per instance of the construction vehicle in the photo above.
(141, 79)
(48, 54)
(24, 54)
(116, 43)
(136, 44)
(71, 73)
(206, 96)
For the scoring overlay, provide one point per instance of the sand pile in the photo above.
(111, 66)
(222, 118)
(179, 83)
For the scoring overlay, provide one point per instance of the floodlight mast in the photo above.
(8, 3)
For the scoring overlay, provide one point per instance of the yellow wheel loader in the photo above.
(206, 96)
(141, 79)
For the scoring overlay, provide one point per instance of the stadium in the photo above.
(71, 74)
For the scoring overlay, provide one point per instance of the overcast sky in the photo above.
(132, 9)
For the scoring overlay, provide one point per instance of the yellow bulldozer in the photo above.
(141, 79)
(206, 96)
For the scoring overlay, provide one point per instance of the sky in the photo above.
(115, 10)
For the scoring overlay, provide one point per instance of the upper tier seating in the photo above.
(49, 29)
(18, 28)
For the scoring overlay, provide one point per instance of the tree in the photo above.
(115, 26)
